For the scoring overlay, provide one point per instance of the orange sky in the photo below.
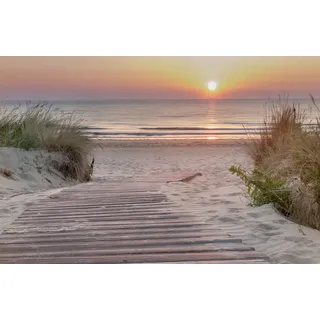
(157, 77)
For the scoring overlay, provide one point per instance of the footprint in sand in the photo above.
(272, 234)
(205, 203)
(234, 210)
(282, 221)
(227, 219)
(294, 239)
(254, 214)
(211, 211)
(240, 217)
(226, 202)
(267, 227)
(291, 258)
(235, 194)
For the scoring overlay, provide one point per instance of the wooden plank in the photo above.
(247, 261)
(161, 232)
(118, 208)
(108, 227)
(95, 214)
(125, 198)
(87, 251)
(85, 237)
(43, 211)
(76, 244)
(117, 222)
(102, 225)
(104, 219)
(72, 205)
(210, 257)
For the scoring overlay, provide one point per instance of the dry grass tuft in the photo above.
(282, 122)
(40, 127)
(287, 157)
(6, 172)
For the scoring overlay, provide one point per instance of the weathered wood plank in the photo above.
(72, 205)
(161, 232)
(210, 257)
(92, 214)
(108, 227)
(103, 225)
(118, 222)
(75, 244)
(104, 219)
(132, 208)
(246, 261)
(84, 237)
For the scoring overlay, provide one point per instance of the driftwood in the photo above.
(89, 172)
(187, 179)
(6, 172)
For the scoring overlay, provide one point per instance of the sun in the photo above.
(212, 85)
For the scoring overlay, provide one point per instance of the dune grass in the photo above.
(38, 126)
(286, 163)
(282, 122)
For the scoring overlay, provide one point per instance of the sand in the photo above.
(216, 196)
(32, 176)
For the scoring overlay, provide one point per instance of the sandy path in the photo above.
(216, 196)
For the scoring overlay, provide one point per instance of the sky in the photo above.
(158, 77)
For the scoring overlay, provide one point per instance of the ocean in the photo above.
(168, 119)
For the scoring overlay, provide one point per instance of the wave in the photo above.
(144, 134)
(92, 128)
(197, 129)
(173, 116)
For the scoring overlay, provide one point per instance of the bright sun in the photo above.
(212, 85)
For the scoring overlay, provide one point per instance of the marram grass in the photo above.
(286, 163)
(39, 127)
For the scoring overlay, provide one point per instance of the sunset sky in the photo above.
(157, 77)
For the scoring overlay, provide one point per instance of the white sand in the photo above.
(33, 176)
(217, 196)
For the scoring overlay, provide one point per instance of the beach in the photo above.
(217, 196)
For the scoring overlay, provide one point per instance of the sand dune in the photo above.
(32, 176)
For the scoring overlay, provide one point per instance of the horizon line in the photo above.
(146, 99)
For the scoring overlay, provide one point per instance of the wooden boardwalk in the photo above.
(117, 222)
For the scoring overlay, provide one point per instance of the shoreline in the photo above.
(169, 142)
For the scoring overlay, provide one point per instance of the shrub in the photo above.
(286, 164)
(263, 188)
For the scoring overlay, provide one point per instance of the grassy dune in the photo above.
(39, 127)
(286, 158)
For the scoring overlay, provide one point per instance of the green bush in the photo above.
(263, 188)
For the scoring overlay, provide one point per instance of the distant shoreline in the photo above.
(170, 142)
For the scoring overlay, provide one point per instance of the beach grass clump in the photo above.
(283, 121)
(39, 127)
(286, 164)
